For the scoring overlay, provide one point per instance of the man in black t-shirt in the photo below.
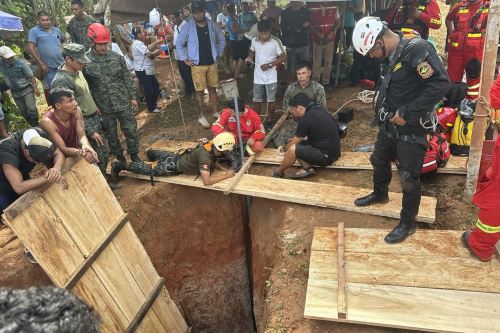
(19, 154)
(295, 25)
(316, 141)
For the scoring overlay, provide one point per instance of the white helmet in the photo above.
(365, 33)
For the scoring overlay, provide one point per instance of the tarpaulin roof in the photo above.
(123, 11)
(10, 22)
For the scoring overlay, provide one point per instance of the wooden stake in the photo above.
(341, 294)
(341, 43)
(249, 161)
(480, 116)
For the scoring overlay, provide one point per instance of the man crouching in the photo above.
(200, 160)
(316, 141)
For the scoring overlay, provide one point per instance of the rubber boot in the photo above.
(135, 158)
(372, 198)
(401, 232)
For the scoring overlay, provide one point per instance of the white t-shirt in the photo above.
(264, 54)
(115, 48)
(141, 60)
(221, 18)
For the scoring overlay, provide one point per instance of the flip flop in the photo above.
(307, 173)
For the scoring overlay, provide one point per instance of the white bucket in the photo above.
(230, 88)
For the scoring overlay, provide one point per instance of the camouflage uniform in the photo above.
(76, 82)
(112, 88)
(316, 93)
(77, 29)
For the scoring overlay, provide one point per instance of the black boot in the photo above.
(135, 158)
(121, 159)
(374, 197)
(401, 232)
(116, 167)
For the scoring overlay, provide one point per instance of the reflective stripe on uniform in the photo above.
(436, 21)
(471, 35)
(473, 93)
(463, 11)
(475, 86)
(487, 228)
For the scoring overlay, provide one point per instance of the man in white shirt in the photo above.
(268, 53)
(221, 21)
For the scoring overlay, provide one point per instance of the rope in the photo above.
(489, 110)
(365, 96)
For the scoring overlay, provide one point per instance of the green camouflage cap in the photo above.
(77, 52)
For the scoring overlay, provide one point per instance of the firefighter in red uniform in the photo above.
(481, 241)
(252, 131)
(416, 15)
(466, 23)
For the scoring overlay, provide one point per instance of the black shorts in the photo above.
(312, 155)
(240, 48)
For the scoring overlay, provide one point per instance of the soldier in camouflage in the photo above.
(79, 24)
(70, 76)
(314, 90)
(113, 91)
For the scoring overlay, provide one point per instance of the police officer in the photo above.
(413, 82)
(113, 90)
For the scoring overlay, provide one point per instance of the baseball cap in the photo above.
(6, 52)
(40, 149)
(76, 51)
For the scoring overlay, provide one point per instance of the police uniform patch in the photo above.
(425, 70)
(398, 66)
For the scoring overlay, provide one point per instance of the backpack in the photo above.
(461, 136)
(437, 154)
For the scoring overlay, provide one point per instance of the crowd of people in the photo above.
(91, 90)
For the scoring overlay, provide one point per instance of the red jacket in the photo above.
(251, 125)
(398, 17)
(487, 194)
(469, 22)
(322, 23)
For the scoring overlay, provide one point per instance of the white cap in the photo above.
(29, 134)
(6, 52)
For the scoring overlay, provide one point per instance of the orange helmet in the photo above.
(98, 33)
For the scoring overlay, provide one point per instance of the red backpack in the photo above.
(437, 154)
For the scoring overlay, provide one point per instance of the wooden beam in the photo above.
(306, 193)
(248, 162)
(134, 324)
(341, 296)
(480, 116)
(348, 159)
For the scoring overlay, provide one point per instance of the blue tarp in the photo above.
(10, 22)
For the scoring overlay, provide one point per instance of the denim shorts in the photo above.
(268, 89)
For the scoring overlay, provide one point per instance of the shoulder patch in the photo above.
(425, 70)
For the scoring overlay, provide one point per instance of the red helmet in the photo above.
(446, 117)
(98, 33)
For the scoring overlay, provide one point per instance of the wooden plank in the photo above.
(347, 160)
(443, 243)
(341, 295)
(321, 300)
(433, 310)
(128, 245)
(418, 271)
(249, 161)
(306, 193)
(57, 254)
(139, 316)
(96, 252)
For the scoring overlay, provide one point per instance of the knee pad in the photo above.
(377, 163)
(409, 181)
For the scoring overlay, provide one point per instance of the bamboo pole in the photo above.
(341, 43)
(480, 116)
(249, 161)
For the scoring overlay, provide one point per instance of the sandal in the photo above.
(277, 174)
(307, 173)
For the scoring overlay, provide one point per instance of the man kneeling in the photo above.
(200, 160)
(316, 141)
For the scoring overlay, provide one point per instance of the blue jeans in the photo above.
(6, 199)
(296, 55)
(49, 78)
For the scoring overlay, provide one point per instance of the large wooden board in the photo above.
(62, 227)
(429, 282)
(348, 160)
(307, 193)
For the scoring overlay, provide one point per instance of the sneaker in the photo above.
(156, 111)
(29, 256)
(203, 122)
